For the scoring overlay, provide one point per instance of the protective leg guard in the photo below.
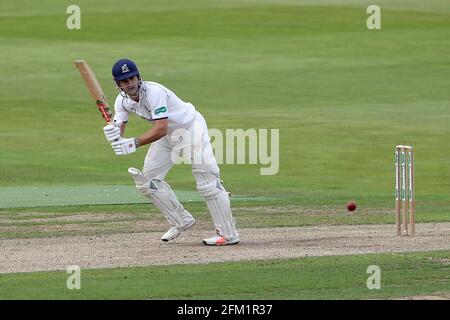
(218, 202)
(162, 196)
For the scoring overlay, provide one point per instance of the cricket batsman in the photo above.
(169, 114)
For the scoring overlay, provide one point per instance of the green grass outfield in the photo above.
(342, 277)
(342, 96)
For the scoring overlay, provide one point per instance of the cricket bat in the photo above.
(95, 90)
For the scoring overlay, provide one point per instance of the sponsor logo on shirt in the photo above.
(160, 109)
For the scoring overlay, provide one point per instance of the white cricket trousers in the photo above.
(194, 141)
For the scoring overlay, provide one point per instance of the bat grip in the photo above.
(104, 110)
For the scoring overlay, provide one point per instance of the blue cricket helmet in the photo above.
(124, 69)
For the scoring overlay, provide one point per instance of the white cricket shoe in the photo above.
(219, 240)
(174, 232)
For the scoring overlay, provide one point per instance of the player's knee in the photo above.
(150, 185)
(151, 174)
(208, 184)
(208, 190)
(157, 184)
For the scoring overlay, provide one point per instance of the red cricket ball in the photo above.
(351, 205)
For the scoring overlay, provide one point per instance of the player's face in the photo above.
(130, 86)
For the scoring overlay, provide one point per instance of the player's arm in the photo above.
(158, 131)
(126, 146)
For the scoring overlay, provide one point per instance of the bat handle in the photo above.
(106, 113)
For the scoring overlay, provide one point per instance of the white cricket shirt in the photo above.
(155, 102)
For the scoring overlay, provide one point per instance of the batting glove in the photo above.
(112, 133)
(124, 146)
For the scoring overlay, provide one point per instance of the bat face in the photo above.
(94, 89)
